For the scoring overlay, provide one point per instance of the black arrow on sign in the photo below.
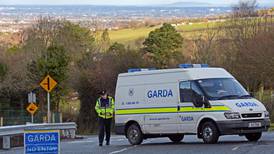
(48, 83)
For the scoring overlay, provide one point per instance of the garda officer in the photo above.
(104, 108)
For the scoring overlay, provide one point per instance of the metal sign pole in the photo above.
(32, 118)
(48, 84)
(48, 108)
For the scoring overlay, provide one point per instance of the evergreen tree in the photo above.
(163, 44)
(53, 62)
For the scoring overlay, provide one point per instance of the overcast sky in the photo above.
(118, 2)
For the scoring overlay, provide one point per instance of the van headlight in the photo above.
(232, 115)
(266, 114)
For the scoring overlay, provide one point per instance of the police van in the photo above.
(193, 99)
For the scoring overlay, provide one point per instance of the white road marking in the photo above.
(125, 149)
(119, 151)
(116, 137)
(122, 139)
(235, 148)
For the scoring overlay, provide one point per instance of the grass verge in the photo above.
(271, 127)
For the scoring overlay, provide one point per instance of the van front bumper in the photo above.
(231, 127)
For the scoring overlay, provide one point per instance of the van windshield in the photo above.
(223, 88)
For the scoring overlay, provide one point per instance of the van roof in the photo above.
(193, 73)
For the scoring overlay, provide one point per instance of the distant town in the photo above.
(17, 18)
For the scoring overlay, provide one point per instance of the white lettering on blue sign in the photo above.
(159, 93)
(42, 142)
(246, 104)
(42, 148)
(42, 138)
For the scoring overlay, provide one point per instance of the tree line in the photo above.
(84, 62)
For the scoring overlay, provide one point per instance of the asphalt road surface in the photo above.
(190, 145)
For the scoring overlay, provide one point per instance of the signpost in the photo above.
(42, 142)
(32, 108)
(48, 84)
(31, 97)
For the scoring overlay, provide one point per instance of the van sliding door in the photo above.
(188, 114)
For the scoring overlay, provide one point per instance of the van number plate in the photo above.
(255, 124)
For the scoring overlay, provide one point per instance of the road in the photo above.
(190, 145)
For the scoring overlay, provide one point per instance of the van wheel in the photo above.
(210, 133)
(134, 134)
(176, 138)
(253, 137)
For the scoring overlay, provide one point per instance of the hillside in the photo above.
(130, 35)
(126, 36)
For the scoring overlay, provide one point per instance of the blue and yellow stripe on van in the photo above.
(214, 108)
(160, 110)
(156, 110)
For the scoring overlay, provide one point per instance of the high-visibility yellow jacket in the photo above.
(105, 110)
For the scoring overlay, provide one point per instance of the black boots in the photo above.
(100, 144)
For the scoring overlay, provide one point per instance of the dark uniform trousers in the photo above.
(104, 127)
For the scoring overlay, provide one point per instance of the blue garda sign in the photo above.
(42, 141)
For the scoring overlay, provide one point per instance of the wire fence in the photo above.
(15, 117)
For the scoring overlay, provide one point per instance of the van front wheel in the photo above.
(134, 134)
(176, 138)
(210, 133)
(253, 137)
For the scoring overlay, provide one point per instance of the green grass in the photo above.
(197, 26)
(271, 127)
(130, 35)
(127, 35)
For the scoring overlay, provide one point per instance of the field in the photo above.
(130, 35)
(189, 30)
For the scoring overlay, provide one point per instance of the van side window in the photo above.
(185, 91)
(189, 91)
(196, 89)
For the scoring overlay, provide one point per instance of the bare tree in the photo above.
(204, 47)
(97, 71)
(247, 41)
(245, 8)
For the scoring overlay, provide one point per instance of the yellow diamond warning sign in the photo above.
(48, 83)
(32, 108)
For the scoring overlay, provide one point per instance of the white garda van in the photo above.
(190, 100)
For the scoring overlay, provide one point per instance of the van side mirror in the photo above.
(199, 101)
(206, 102)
